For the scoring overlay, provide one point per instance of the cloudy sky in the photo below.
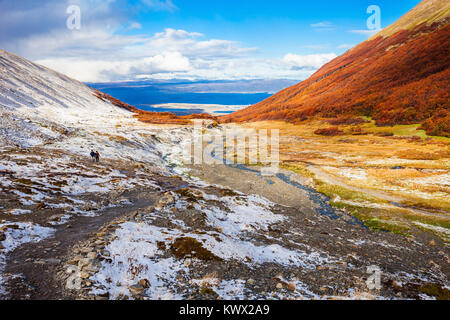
(191, 39)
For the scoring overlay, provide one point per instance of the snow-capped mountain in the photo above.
(39, 106)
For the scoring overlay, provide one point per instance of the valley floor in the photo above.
(391, 178)
(125, 229)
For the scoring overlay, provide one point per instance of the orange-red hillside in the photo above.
(399, 76)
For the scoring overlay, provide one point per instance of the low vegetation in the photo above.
(390, 182)
(190, 247)
(333, 131)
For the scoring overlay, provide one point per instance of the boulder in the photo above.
(136, 290)
(144, 283)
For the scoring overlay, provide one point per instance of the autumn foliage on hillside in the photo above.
(106, 97)
(438, 124)
(401, 79)
(347, 120)
(153, 117)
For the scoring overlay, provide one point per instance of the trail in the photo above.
(37, 263)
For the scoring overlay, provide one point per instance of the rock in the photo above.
(279, 286)
(122, 297)
(85, 262)
(74, 261)
(91, 207)
(70, 270)
(53, 261)
(55, 218)
(136, 290)
(144, 283)
(104, 295)
(40, 206)
(167, 199)
(92, 255)
(11, 226)
(291, 286)
(397, 285)
(91, 269)
(2, 236)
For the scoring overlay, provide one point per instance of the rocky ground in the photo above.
(191, 241)
(298, 256)
(73, 229)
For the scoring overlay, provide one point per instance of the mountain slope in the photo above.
(399, 76)
(38, 105)
(42, 108)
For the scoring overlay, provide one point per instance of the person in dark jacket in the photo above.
(93, 155)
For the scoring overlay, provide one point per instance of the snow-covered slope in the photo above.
(24, 83)
(39, 106)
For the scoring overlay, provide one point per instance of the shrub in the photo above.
(357, 131)
(438, 125)
(347, 120)
(333, 131)
(385, 134)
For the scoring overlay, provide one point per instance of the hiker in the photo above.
(97, 157)
(93, 155)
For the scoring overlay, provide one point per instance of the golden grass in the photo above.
(391, 164)
(413, 154)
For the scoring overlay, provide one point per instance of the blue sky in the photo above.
(277, 26)
(194, 39)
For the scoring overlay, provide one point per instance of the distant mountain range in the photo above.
(399, 76)
(147, 94)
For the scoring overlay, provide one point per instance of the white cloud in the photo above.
(323, 24)
(307, 62)
(317, 47)
(107, 70)
(346, 46)
(93, 55)
(366, 32)
(170, 54)
(104, 51)
(134, 25)
(160, 5)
